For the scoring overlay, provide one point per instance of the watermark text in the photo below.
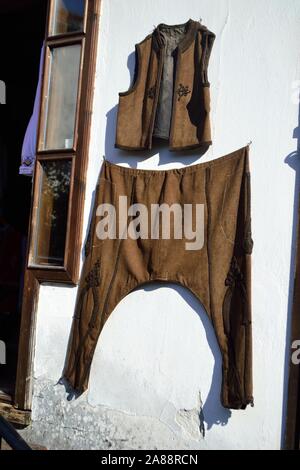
(163, 221)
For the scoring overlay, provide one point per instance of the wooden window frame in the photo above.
(53, 43)
(69, 274)
(65, 35)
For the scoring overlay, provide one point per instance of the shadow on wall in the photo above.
(212, 413)
(293, 160)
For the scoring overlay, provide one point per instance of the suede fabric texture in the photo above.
(219, 274)
(170, 87)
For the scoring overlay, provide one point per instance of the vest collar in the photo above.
(191, 28)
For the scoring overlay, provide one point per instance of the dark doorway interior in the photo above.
(22, 30)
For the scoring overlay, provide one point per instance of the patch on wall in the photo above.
(192, 421)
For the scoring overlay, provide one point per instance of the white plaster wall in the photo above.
(158, 350)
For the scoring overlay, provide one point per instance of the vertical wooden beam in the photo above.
(23, 391)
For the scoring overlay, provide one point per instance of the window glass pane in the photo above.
(61, 100)
(68, 16)
(52, 213)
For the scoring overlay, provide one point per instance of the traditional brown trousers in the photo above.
(218, 274)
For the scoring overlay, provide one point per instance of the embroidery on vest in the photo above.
(151, 92)
(182, 91)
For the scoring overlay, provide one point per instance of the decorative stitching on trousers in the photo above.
(248, 242)
(88, 243)
(234, 274)
(207, 201)
(92, 281)
(182, 91)
(93, 277)
(234, 280)
(151, 92)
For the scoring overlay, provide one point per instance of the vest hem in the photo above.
(126, 147)
(190, 147)
(172, 149)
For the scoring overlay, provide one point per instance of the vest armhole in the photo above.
(207, 41)
(137, 72)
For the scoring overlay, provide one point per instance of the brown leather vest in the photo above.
(169, 97)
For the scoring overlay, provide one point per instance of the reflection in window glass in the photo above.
(61, 98)
(68, 16)
(52, 213)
